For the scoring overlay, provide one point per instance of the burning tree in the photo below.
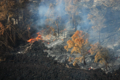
(79, 44)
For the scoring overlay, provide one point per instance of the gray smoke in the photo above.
(91, 16)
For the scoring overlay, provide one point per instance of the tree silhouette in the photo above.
(94, 48)
(101, 53)
(6, 7)
(72, 10)
(97, 20)
(10, 33)
(50, 15)
(102, 56)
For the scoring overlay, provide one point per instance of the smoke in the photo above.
(99, 18)
(91, 16)
(42, 10)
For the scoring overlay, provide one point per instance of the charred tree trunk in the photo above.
(99, 34)
(75, 26)
(106, 65)
(58, 31)
(57, 28)
(84, 60)
(74, 22)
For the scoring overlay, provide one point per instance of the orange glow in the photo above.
(62, 39)
(63, 30)
(54, 39)
(31, 40)
(48, 37)
(39, 37)
(28, 28)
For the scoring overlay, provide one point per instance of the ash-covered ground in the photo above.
(61, 55)
(35, 65)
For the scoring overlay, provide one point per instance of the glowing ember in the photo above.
(54, 39)
(47, 37)
(28, 28)
(62, 39)
(89, 51)
(63, 30)
(35, 39)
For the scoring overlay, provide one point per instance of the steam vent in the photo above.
(59, 39)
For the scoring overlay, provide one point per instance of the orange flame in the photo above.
(39, 37)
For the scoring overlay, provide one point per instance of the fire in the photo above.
(39, 37)
(31, 40)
